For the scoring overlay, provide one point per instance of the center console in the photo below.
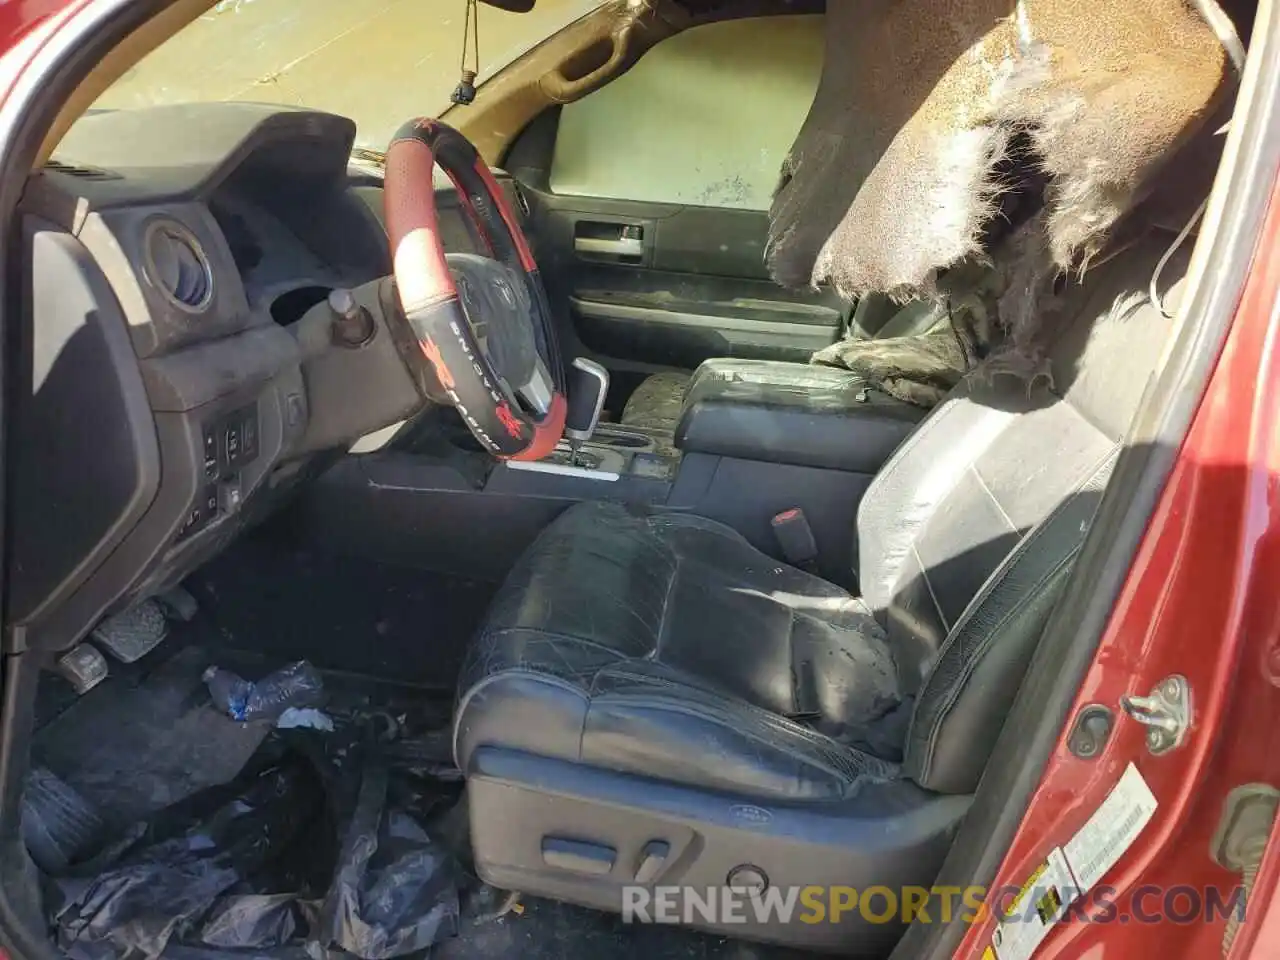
(743, 455)
(611, 454)
(793, 413)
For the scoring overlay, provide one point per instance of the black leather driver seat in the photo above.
(653, 700)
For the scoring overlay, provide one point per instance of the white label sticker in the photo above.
(1071, 871)
(1111, 830)
(1040, 903)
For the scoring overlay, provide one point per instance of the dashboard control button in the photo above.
(249, 434)
(210, 453)
(192, 523)
(210, 505)
(295, 409)
(233, 441)
(229, 494)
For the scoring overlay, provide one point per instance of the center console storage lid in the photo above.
(792, 413)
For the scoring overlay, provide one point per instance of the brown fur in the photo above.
(894, 176)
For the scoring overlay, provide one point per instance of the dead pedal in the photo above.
(83, 666)
(132, 634)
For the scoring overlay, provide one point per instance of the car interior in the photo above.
(751, 622)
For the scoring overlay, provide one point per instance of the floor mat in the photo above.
(345, 614)
(58, 825)
(131, 748)
(146, 739)
(546, 930)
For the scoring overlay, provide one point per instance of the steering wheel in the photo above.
(488, 334)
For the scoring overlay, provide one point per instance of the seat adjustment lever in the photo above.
(578, 856)
(652, 858)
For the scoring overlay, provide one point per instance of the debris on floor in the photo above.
(140, 743)
(305, 718)
(134, 764)
(175, 871)
(310, 845)
(320, 846)
(296, 686)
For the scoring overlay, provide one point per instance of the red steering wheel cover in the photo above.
(430, 300)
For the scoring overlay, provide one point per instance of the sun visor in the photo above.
(900, 164)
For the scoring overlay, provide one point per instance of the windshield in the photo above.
(378, 62)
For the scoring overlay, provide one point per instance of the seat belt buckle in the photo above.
(795, 537)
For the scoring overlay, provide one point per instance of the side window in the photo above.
(704, 118)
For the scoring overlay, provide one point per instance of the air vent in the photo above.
(177, 266)
(80, 171)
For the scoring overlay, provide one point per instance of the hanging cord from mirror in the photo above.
(465, 92)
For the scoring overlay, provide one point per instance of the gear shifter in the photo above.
(588, 384)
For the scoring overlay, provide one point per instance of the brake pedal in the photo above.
(83, 666)
(133, 633)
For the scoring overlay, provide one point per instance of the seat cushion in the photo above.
(665, 644)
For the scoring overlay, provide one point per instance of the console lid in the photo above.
(792, 413)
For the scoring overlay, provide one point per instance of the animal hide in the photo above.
(921, 369)
(900, 166)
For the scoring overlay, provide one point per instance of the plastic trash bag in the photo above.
(295, 686)
(317, 845)
(395, 891)
(253, 920)
(164, 883)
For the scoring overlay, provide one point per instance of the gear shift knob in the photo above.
(588, 384)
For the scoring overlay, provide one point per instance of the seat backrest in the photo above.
(967, 535)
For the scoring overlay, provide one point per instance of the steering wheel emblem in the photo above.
(504, 291)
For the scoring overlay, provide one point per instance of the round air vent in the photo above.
(177, 266)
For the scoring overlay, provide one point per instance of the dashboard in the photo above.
(166, 399)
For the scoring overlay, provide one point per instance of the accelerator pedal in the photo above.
(133, 633)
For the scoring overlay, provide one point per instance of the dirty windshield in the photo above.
(378, 62)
